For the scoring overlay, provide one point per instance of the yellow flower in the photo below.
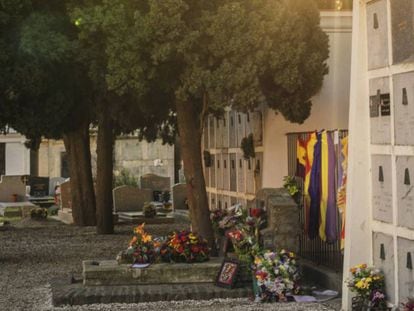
(257, 261)
(146, 238)
(140, 229)
(359, 284)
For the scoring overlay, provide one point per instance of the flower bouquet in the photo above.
(184, 246)
(142, 248)
(149, 210)
(277, 275)
(369, 285)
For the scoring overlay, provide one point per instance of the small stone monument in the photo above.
(130, 199)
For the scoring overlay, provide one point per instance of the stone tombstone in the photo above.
(233, 172)
(405, 193)
(65, 195)
(381, 188)
(405, 268)
(241, 180)
(380, 111)
(155, 182)
(179, 196)
(377, 34)
(11, 187)
(250, 180)
(402, 18)
(283, 229)
(130, 199)
(404, 108)
(53, 182)
(383, 253)
(233, 129)
(213, 171)
(240, 125)
(257, 128)
(39, 186)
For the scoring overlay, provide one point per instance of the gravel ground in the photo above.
(32, 253)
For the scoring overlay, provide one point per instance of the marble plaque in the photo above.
(258, 171)
(225, 129)
(405, 191)
(383, 253)
(250, 181)
(381, 188)
(240, 121)
(241, 176)
(212, 132)
(233, 172)
(402, 18)
(405, 268)
(219, 171)
(213, 171)
(226, 171)
(219, 133)
(404, 108)
(377, 34)
(380, 111)
(232, 129)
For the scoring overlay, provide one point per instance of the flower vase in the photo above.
(256, 288)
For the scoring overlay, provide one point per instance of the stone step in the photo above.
(64, 293)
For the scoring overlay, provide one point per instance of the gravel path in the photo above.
(32, 253)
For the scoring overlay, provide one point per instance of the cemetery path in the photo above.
(32, 255)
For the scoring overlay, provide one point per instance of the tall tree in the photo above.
(46, 94)
(120, 108)
(219, 53)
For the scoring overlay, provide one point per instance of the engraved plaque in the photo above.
(241, 180)
(232, 129)
(225, 129)
(219, 174)
(213, 171)
(250, 180)
(380, 111)
(405, 268)
(381, 188)
(226, 171)
(402, 18)
(377, 34)
(405, 191)
(219, 133)
(404, 108)
(383, 253)
(233, 174)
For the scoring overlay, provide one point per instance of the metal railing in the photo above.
(316, 250)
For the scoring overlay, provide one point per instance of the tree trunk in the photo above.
(77, 146)
(104, 174)
(190, 131)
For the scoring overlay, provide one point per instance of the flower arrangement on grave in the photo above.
(184, 246)
(409, 305)
(142, 247)
(38, 213)
(225, 219)
(149, 210)
(369, 285)
(277, 275)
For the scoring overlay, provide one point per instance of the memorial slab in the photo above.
(404, 108)
(377, 34)
(381, 188)
(380, 111)
(405, 269)
(383, 253)
(405, 193)
(155, 182)
(130, 199)
(402, 18)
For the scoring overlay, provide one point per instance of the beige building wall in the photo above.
(17, 156)
(330, 106)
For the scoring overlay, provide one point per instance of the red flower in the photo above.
(255, 212)
(195, 249)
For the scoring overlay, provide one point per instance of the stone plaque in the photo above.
(219, 132)
(212, 132)
(241, 176)
(257, 128)
(226, 171)
(258, 171)
(381, 188)
(240, 121)
(130, 199)
(250, 181)
(179, 192)
(155, 182)
(405, 191)
(383, 253)
(232, 129)
(404, 108)
(213, 171)
(248, 124)
(402, 18)
(65, 195)
(405, 269)
(380, 111)
(377, 34)
(233, 172)
(225, 129)
(39, 186)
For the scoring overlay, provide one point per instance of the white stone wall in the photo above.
(380, 209)
(17, 155)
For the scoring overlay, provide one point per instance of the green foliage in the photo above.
(247, 145)
(125, 178)
(291, 185)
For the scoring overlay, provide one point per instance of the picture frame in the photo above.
(227, 275)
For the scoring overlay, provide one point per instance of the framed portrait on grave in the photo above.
(227, 275)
